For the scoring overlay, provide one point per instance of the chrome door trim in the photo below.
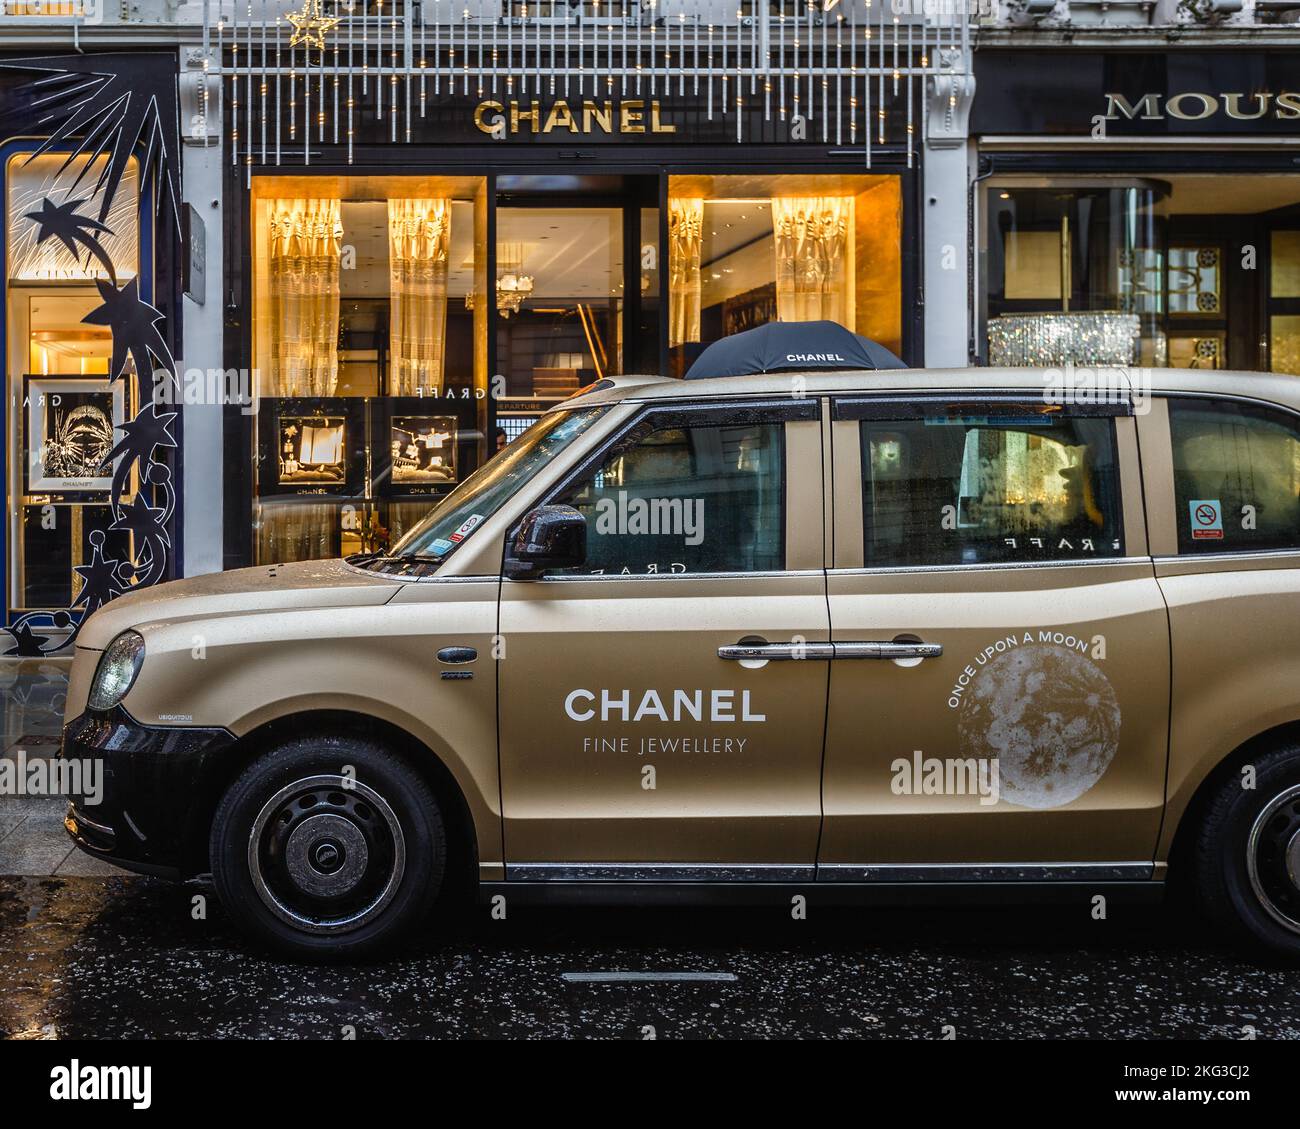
(657, 872)
(871, 649)
(1231, 555)
(795, 652)
(778, 652)
(570, 578)
(987, 872)
(994, 566)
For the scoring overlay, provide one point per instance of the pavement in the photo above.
(32, 840)
(88, 951)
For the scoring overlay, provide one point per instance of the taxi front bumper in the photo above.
(156, 789)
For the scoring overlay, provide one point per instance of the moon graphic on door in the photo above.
(1050, 717)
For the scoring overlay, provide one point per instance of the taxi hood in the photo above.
(285, 587)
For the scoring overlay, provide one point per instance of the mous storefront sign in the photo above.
(1114, 94)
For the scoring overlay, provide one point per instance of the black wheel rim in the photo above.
(326, 854)
(1273, 858)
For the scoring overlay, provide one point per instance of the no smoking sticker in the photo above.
(1207, 519)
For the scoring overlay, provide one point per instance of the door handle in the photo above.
(779, 652)
(883, 650)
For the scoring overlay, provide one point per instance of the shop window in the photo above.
(951, 490)
(1073, 274)
(370, 355)
(30, 181)
(1186, 271)
(687, 499)
(1236, 476)
(747, 250)
(64, 414)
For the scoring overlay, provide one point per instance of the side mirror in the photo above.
(549, 537)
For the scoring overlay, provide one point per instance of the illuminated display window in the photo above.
(747, 250)
(65, 415)
(370, 356)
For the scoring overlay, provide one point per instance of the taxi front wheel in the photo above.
(1247, 858)
(328, 847)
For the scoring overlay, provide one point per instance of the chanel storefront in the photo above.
(1135, 208)
(435, 233)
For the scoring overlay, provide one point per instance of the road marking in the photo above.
(643, 977)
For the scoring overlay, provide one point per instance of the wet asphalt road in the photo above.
(122, 958)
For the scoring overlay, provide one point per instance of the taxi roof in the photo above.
(1275, 387)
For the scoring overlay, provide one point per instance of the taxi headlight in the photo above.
(118, 666)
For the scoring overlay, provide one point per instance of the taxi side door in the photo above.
(999, 700)
(641, 736)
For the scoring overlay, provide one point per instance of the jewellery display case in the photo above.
(421, 446)
(312, 447)
(71, 424)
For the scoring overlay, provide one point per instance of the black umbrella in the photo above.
(791, 346)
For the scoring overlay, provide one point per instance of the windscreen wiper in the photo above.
(407, 559)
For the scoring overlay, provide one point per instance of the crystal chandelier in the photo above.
(513, 286)
(512, 289)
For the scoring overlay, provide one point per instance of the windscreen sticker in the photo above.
(465, 530)
(441, 546)
(1207, 519)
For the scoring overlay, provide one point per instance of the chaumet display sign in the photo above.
(1103, 94)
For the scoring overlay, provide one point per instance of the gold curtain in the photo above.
(419, 233)
(295, 531)
(813, 280)
(685, 239)
(305, 239)
(403, 516)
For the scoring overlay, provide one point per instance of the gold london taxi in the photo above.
(868, 634)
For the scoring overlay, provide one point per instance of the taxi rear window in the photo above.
(979, 489)
(1236, 476)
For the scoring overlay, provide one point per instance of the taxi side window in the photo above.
(1236, 476)
(956, 489)
(687, 500)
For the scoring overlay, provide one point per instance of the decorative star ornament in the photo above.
(27, 644)
(310, 26)
(143, 520)
(66, 224)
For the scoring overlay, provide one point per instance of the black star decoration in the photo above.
(150, 429)
(64, 223)
(134, 325)
(27, 644)
(143, 520)
(99, 580)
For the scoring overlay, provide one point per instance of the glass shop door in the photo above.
(577, 286)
